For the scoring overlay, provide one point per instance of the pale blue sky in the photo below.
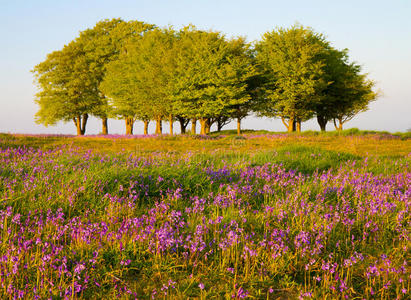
(377, 33)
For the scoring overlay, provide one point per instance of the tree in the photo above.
(211, 75)
(139, 83)
(254, 82)
(102, 44)
(348, 93)
(99, 50)
(69, 79)
(355, 100)
(116, 87)
(291, 64)
(250, 79)
(183, 123)
(65, 89)
(221, 121)
(186, 75)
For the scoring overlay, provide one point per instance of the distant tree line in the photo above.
(137, 71)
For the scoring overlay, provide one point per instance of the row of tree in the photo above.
(137, 71)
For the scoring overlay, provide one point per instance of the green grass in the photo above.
(273, 188)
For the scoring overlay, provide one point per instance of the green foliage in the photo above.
(213, 74)
(303, 75)
(349, 92)
(100, 48)
(69, 79)
(291, 64)
(135, 82)
(66, 89)
(102, 44)
(138, 83)
(190, 73)
(134, 70)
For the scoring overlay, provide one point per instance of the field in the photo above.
(258, 216)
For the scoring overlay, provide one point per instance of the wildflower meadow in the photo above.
(257, 216)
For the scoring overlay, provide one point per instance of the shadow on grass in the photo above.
(305, 159)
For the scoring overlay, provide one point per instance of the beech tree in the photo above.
(139, 83)
(182, 75)
(102, 44)
(241, 111)
(69, 79)
(66, 92)
(355, 100)
(349, 92)
(127, 104)
(212, 75)
(183, 123)
(99, 50)
(290, 61)
(135, 71)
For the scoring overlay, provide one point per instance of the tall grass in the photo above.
(227, 217)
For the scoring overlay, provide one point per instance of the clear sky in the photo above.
(376, 32)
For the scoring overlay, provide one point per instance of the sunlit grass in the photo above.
(259, 216)
(349, 141)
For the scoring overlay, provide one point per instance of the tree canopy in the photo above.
(136, 71)
(290, 60)
(69, 79)
(213, 75)
(348, 93)
(139, 82)
(66, 91)
(189, 74)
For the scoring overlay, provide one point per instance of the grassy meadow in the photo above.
(257, 216)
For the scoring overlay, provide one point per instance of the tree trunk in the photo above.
(80, 121)
(219, 125)
(338, 127)
(159, 127)
(193, 125)
(298, 125)
(207, 126)
(291, 124)
(146, 126)
(238, 126)
(285, 123)
(104, 126)
(203, 124)
(83, 125)
(77, 123)
(221, 121)
(170, 119)
(294, 125)
(183, 124)
(322, 121)
(129, 125)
